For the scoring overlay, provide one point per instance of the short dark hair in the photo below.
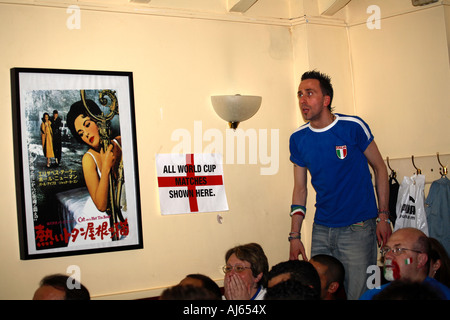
(291, 290)
(59, 281)
(423, 245)
(325, 83)
(77, 109)
(299, 270)
(335, 271)
(188, 292)
(254, 254)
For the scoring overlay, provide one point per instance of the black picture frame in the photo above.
(56, 214)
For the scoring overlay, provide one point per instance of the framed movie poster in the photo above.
(77, 181)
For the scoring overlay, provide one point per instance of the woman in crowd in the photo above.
(439, 262)
(246, 273)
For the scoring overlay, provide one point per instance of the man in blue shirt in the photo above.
(406, 259)
(336, 149)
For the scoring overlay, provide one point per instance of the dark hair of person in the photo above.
(335, 270)
(78, 109)
(60, 281)
(424, 246)
(291, 290)
(208, 283)
(188, 292)
(254, 254)
(43, 116)
(325, 83)
(438, 252)
(299, 270)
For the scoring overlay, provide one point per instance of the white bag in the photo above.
(410, 204)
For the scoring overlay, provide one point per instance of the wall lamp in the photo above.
(236, 108)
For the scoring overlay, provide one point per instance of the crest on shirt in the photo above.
(341, 152)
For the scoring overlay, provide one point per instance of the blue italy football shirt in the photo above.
(339, 169)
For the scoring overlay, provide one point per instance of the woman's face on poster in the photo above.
(87, 130)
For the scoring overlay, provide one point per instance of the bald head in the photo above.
(410, 261)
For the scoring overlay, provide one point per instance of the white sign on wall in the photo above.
(190, 183)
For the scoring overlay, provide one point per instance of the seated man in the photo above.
(291, 290)
(406, 258)
(332, 275)
(296, 270)
(56, 287)
(200, 280)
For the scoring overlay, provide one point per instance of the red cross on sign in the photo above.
(192, 181)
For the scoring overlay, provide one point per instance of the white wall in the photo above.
(401, 80)
(177, 64)
(396, 78)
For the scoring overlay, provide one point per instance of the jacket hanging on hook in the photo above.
(437, 207)
(394, 187)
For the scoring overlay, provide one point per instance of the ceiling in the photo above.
(283, 12)
(270, 9)
(278, 9)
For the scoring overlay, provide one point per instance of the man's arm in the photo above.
(373, 155)
(298, 198)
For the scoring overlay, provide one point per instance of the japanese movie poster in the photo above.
(78, 188)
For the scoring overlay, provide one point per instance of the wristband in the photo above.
(384, 211)
(294, 237)
(386, 220)
(297, 209)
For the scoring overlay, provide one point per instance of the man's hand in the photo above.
(297, 248)
(384, 231)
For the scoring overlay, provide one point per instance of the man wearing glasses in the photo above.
(406, 259)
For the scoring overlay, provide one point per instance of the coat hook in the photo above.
(443, 170)
(393, 173)
(418, 171)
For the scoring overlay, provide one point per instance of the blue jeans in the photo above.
(355, 246)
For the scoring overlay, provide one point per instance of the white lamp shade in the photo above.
(236, 108)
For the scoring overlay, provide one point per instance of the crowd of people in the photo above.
(415, 267)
